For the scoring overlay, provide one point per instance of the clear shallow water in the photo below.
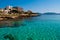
(44, 27)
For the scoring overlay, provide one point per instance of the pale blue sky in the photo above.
(34, 5)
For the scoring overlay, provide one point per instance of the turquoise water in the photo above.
(44, 27)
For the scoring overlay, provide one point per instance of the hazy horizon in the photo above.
(40, 6)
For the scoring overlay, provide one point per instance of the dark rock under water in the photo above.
(10, 37)
(29, 38)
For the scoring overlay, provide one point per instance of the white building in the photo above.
(6, 11)
(9, 7)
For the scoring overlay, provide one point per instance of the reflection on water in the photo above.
(13, 23)
(10, 23)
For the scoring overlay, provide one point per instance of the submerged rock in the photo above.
(29, 38)
(10, 37)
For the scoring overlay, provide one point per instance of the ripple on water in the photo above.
(35, 30)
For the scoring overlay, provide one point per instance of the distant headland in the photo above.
(10, 12)
(51, 13)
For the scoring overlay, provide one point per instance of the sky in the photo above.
(40, 6)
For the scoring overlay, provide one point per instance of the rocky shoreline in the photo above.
(10, 13)
(13, 16)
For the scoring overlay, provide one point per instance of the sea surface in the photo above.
(43, 27)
